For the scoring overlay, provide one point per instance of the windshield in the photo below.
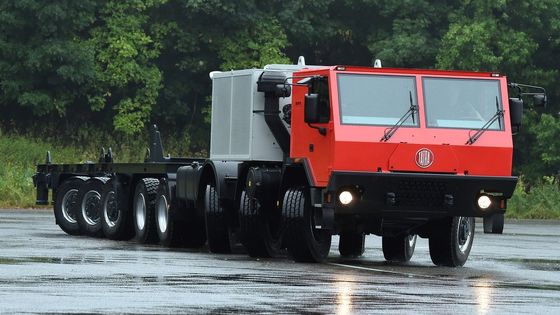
(461, 103)
(375, 99)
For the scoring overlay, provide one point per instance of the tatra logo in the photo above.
(424, 158)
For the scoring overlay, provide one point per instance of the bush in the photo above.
(541, 201)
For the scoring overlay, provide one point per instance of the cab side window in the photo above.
(321, 88)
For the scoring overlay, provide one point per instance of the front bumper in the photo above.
(416, 195)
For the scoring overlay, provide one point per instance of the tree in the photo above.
(126, 76)
(45, 66)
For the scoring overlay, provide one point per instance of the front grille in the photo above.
(423, 193)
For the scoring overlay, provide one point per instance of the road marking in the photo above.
(408, 274)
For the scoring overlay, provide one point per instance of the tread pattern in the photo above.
(302, 243)
(351, 244)
(444, 245)
(148, 186)
(396, 248)
(255, 230)
(217, 228)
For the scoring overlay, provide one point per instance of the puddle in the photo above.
(49, 260)
(536, 264)
(8, 261)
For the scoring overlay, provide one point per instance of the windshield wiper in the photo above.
(499, 114)
(390, 131)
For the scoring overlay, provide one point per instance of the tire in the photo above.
(259, 228)
(89, 212)
(169, 222)
(66, 204)
(218, 230)
(494, 223)
(143, 209)
(451, 241)
(351, 244)
(116, 212)
(303, 241)
(399, 248)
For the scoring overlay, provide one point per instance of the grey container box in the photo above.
(239, 131)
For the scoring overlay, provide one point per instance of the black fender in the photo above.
(188, 178)
(224, 175)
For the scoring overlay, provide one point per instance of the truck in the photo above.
(300, 153)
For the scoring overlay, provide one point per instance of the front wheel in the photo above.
(351, 244)
(399, 248)
(304, 241)
(451, 241)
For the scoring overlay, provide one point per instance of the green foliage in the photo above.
(254, 47)
(541, 202)
(45, 66)
(96, 72)
(125, 69)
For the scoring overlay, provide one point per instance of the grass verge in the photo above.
(19, 155)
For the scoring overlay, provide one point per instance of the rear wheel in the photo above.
(143, 210)
(305, 243)
(218, 230)
(351, 244)
(89, 210)
(451, 241)
(116, 213)
(66, 205)
(259, 227)
(494, 223)
(399, 248)
(170, 217)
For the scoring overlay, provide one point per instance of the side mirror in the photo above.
(311, 108)
(539, 100)
(516, 112)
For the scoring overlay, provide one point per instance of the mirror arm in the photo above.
(321, 130)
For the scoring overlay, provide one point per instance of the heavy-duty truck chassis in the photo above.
(300, 153)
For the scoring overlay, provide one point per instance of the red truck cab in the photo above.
(399, 149)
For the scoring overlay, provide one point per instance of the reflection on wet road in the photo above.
(43, 270)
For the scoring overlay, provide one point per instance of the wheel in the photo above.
(144, 210)
(116, 218)
(451, 241)
(89, 206)
(494, 223)
(351, 244)
(398, 248)
(172, 227)
(218, 230)
(66, 204)
(260, 228)
(304, 242)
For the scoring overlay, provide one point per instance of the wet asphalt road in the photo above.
(43, 270)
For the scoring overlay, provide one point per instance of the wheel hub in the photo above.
(140, 211)
(464, 234)
(163, 213)
(90, 207)
(68, 201)
(111, 211)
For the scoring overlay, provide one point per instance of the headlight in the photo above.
(484, 202)
(345, 197)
